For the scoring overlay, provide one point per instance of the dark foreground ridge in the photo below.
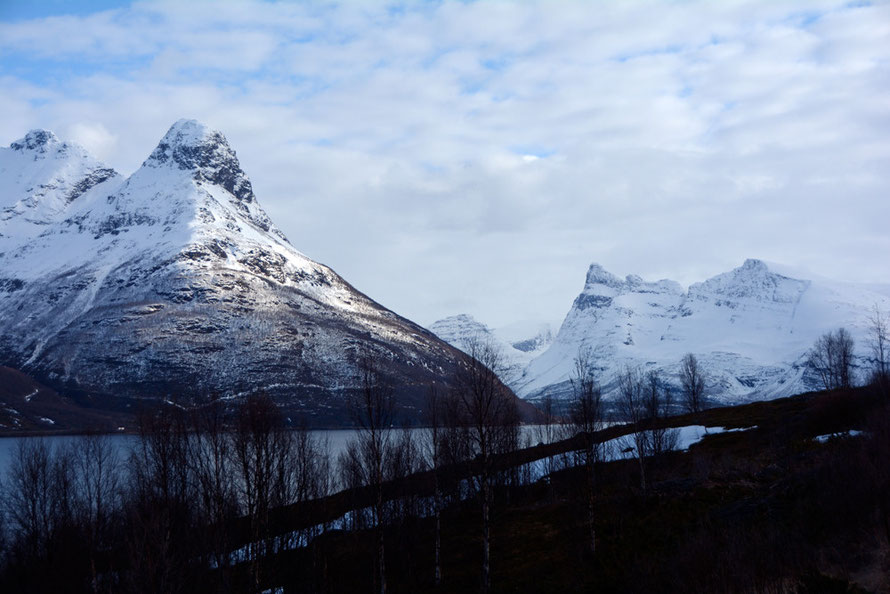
(765, 507)
(758, 509)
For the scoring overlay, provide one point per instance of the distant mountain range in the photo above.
(750, 329)
(174, 284)
(517, 344)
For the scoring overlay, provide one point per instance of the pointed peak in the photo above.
(191, 146)
(190, 132)
(755, 265)
(35, 140)
(597, 275)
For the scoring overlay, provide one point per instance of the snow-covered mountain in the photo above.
(174, 283)
(40, 177)
(750, 328)
(517, 344)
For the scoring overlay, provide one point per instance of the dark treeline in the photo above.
(211, 500)
(89, 518)
(199, 503)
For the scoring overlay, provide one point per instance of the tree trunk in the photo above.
(381, 559)
(886, 515)
(590, 509)
(641, 458)
(438, 569)
(381, 562)
(486, 530)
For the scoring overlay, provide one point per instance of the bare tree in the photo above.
(658, 404)
(351, 477)
(832, 358)
(97, 483)
(587, 419)
(212, 466)
(308, 461)
(39, 504)
(262, 452)
(692, 380)
(28, 499)
(405, 459)
(434, 419)
(552, 428)
(545, 430)
(324, 485)
(372, 412)
(160, 538)
(880, 348)
(489, 411)
(632, 407)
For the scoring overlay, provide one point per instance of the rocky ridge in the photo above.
(750, 329)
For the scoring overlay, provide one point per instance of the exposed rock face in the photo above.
(175, 284)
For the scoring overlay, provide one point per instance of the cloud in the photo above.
(394, 142)
(94, 137)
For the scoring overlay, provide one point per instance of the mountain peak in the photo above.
(191, 146)
(755, 265)
(175, 281)
(462, 318)
(752, 281)
(460, 330)
(35, 140)
(597, 275)
(462, 321)
(186, 128)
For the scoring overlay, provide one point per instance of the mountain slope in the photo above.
(26, 405)
(517, 345)
(750, 329)
(174, 283)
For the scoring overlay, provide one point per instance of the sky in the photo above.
(475, 157)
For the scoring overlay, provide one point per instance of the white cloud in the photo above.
(94, 137)
(477, 156)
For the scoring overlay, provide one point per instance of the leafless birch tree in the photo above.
(489, 411)
(372, 412)
(832, 358)
(692, 380)
(587, 419)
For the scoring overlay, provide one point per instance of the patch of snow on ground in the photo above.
(622, 447)
(829, 436)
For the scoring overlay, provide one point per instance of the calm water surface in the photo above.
(336, 439)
